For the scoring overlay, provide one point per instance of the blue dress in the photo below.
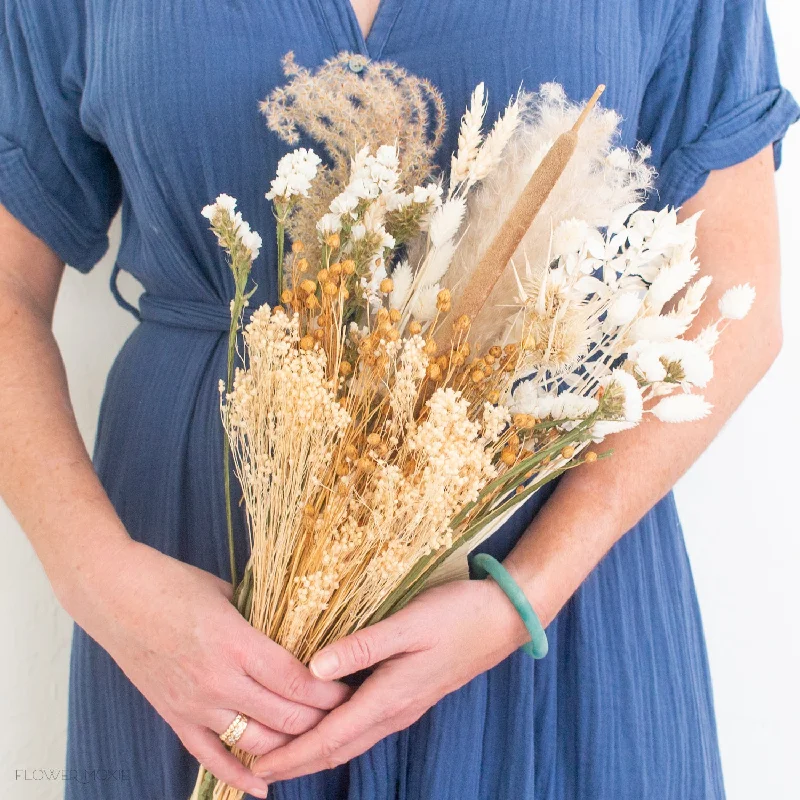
(152, 105)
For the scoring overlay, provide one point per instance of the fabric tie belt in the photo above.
(184, 313)
(190, 314)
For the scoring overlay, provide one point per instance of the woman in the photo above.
(154, 106)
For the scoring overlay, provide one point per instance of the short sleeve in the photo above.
(59, 181)
(715, 98)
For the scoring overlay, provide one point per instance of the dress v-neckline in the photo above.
(345, 29)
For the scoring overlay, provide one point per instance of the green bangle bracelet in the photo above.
(483, 565)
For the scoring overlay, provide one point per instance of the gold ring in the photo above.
(235, 730)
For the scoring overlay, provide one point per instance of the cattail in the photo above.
(527, 207)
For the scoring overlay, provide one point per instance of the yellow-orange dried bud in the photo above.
(386, 285)
(343, 487)
(590, 457)
(351, 452)
(312, 302)
(298, 247)
(493, 397)
(395, 315)
(508, 457)
(365, 464)
(302, 264)
(414, 328)
(345, 369)
(457, 360)
(496, 351)
(332, 240)
(477, 375)
(382, 315)
(373, 440)
(444, 301)
(348, 266)
(383, 449)
(431, 347)
(322, 275)
(365, 346)
(524, 420)
(342, 469)
(308, 286)
(393, 334)
(465, 349)
(434, 371)
(345, 293)
(443, 362)
(335, 268)
(462, 324)
(330, 288)
(489, 360)
(319, 334)
(513, 442)
(307, 343)
(568, 452)
(309, 510)
(287, 296)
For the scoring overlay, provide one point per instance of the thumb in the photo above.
(360, 650)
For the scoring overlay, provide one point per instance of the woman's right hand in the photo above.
(172, 629)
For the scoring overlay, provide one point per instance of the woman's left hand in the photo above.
(440, 641)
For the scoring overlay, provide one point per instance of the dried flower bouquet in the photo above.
(442, 347)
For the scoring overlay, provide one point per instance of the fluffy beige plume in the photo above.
(598, 181)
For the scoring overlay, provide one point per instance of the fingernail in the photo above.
(324, 664)
(258, 792)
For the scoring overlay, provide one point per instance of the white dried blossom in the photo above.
(682, 408)
(296, 171)
(631, 408)
(737, 301)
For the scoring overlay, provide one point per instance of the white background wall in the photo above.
(739, 506)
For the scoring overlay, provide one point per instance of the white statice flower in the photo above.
(682, 408)
(328, 224)
(737, 301)
(251, 240)
(224, 202)
(430, 193)
(344, 203)
(293, 178)
(632, 404)
(358, 232)
(225, 205)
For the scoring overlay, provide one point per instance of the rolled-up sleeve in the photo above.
(716, 98)
(57, 179)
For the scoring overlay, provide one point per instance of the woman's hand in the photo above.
(439, 642)
(173, 631)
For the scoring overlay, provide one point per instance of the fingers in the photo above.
(257, 739)
(207, 748)
(273, 711)
(345, 733)
(363, 649)
(280, 672)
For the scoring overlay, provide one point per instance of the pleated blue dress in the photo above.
(151, 105)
